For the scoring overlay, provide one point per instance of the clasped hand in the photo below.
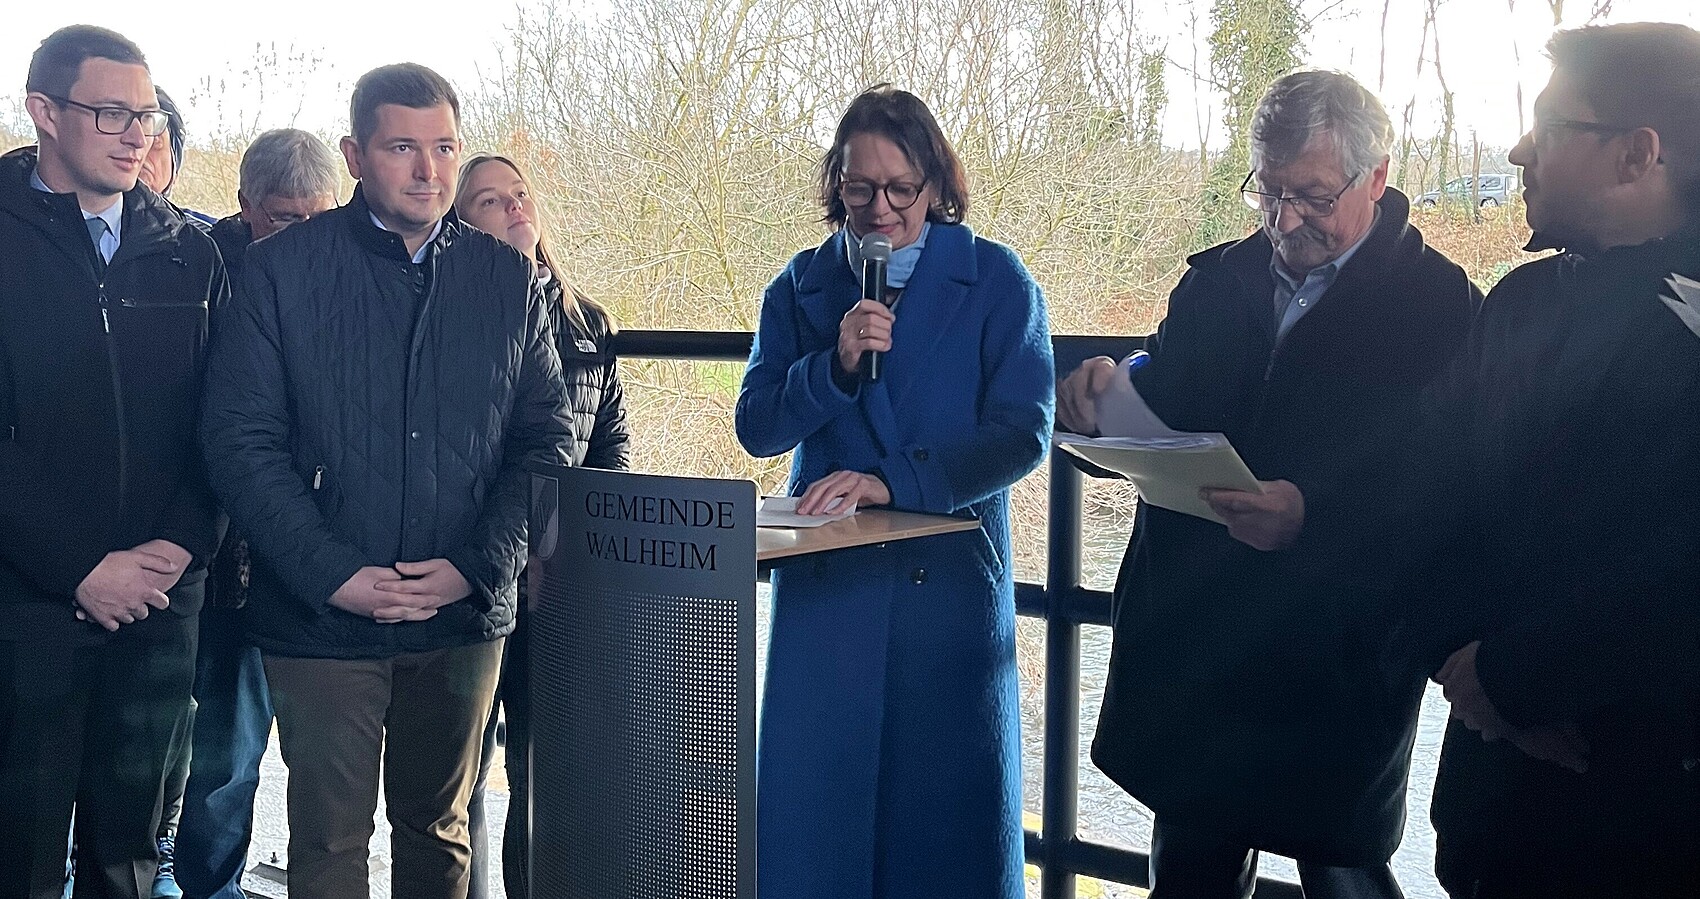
(411, 591)
(128, 583)
(1561, 744)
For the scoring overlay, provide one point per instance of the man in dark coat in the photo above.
(1245, 704)
(106, 520)
(287, 176)
(1561, 464)
(381, 381)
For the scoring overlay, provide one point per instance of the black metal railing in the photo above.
(1063, 602)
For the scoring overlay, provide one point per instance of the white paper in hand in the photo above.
(1122, 412)
(1169, 467)
(781, 512)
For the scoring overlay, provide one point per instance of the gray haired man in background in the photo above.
(287, 176)
(1245, 704)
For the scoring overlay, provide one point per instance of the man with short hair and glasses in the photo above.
(1549, 522)
(106, 520)
(1244, 704)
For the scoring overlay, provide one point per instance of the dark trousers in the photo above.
(177, 757)
(233, 723)
(89, 727)
(1188, 863)
(514, 698)
(419, 717)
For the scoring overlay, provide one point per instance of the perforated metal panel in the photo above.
(643, 687)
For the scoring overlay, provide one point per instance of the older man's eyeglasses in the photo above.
(281, 220)
(117, 119)
(1307, 206)
(900, 195)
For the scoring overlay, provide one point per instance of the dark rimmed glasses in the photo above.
(1545, 127)
(1307, 206)
(899, 195)
(117, 119)
(281, 220)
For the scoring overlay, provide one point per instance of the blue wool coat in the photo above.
(889, 759)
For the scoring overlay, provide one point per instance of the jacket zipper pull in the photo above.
(318, 476)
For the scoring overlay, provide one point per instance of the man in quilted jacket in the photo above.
(382, 379)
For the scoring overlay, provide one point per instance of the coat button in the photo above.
(919, 575)
(1690, 764)
(920, 455)
(414, 435)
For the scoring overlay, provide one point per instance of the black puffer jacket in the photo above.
(594, 392)
(100, 379)
(363, 410)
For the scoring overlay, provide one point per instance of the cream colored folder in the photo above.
(1169, 467)
(1168, 471)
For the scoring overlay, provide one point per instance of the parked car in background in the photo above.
(1494, 190)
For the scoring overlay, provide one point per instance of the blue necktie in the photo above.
(97, 230)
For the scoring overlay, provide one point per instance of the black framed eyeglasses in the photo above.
(117, 119)
(281, 220)
(1546, 127)
(1307, 206)
(900, 195)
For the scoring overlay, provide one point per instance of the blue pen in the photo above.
(1135, 362)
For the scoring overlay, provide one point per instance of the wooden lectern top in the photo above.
(865, 527)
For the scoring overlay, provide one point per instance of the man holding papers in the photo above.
(1245, 705)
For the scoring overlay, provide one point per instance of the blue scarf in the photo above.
(902, 263)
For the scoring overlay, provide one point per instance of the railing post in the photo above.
(1060, 805)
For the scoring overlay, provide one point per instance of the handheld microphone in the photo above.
(876, 252)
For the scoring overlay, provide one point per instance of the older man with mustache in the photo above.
(1245, 704)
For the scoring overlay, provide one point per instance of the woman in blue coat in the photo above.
(889, 760)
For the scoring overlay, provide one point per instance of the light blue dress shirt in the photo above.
(113, 215)
(1296, 296)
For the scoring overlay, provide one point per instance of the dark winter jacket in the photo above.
(1244, 692)
(1559, 474)
(227, 578)
(595, 395)
(232, 235)
(100, 383)
(363, 410)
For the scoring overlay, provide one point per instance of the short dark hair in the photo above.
(903, 119)
(1642, 75)
(402, 84)
(59, 59)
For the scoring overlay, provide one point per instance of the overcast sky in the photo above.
(204, 52)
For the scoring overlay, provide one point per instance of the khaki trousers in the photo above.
(417, 716)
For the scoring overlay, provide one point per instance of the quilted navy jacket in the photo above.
(595, 394)
(363, 410)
